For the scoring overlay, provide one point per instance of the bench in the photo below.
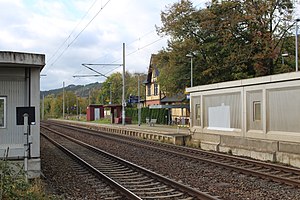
(151, 122)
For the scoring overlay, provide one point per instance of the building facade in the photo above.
(156, 98)
(19, 90)
(153, 93)
(256, 117)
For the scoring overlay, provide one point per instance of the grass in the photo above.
(13, 184)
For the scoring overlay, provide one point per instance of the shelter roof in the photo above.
(21, 59)
(174, 98)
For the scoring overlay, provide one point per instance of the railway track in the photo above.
(76, 178)
(264, 170)
(128, 179)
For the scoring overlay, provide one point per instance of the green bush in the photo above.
(159, 114)
(13, 184)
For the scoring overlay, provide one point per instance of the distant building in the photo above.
(156, 98)
(153, 93)
(94, 112)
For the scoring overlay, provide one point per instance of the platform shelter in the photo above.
(19, 105)
(94, 112)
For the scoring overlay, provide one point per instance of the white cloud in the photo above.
(41, 26)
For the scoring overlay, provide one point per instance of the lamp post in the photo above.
(123, 88)
(296, 44)
(139, 101)
(63, 100)
(191, 55)
(110, 96)
(77, 105)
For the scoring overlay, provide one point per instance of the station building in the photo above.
(258, 117)
(19, 95)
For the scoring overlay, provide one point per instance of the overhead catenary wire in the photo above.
(133, 52)
(128, 44)
(58, 49)
(66, 48)
(139, 49)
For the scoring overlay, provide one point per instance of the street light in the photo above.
(296, 43)
(110, 99)
(139, 101)
(191, 55)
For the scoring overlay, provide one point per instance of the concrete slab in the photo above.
(289, 147)
(162, 133)
(288, 158)
(250, 144)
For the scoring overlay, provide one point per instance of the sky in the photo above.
(75, 32)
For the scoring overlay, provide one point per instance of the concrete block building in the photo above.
(258, 117)
(20, 90)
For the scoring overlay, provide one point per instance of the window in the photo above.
(149, 90)
(198, 111)
(256, 111)
(2, 112)
(155, 89)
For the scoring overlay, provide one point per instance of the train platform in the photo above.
(165, 133)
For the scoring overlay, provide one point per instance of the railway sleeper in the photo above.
(130, 174)
(152, 188)
(156, 192)
(113, 171)
(136, 182)
(144, 186)
(131, 179)
(163, 197)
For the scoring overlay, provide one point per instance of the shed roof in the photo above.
(170, 106)
(175, 98)
(21, 59)
(113, 106)
(247, 82)
(95, 105)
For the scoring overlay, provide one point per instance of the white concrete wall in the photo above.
(271, 91)
(274, 134)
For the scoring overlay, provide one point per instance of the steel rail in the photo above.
(95, 171)
(224, 157)
(181, 187)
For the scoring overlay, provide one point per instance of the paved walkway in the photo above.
(166, 129)
(158, 128)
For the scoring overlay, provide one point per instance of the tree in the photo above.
(231, 39)
(115, 83)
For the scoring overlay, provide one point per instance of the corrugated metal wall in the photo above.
(283, 112)
(12, 86)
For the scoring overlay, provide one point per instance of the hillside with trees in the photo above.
(95, 93)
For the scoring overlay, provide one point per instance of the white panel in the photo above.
(97, 113)
(232, 100)
(219, 117)
(284, 109)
